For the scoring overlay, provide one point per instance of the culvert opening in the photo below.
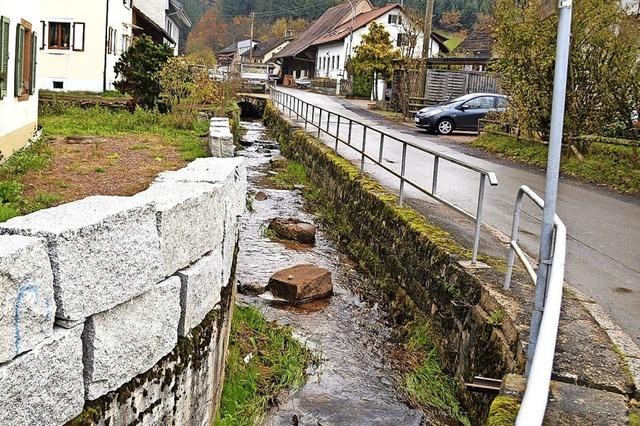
(250, 111)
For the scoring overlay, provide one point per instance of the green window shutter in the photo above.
(4, 55)
(18, 89)
(34, 58)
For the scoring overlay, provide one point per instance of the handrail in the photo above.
(300, 108)
(534, 402)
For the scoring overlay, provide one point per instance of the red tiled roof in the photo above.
(360, 21)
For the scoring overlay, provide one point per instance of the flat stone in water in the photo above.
(301, 284)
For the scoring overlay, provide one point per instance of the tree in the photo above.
(375, 55)
(138, 70)
(451, 20)
(604, 65)
(211, 32)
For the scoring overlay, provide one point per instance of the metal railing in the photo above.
(542, 345)
(301, 109)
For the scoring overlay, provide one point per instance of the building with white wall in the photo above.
(336, 46)
(163, 20)
(83, 41)
(20, 37)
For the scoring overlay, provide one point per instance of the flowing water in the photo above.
(354, 382)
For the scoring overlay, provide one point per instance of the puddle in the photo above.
(354, 383)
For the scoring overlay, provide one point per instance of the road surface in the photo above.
(603, 257)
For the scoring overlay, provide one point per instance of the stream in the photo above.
(355, 382)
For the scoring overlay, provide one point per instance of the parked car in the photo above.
(460, 114)
(303, 83)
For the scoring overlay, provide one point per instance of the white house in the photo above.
(19, 39)
(336, 46)
(82, 43)
(164, 20)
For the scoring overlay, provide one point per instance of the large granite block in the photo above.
(128, 340)
(104, 251)
(44, 386)
(190, 221)
(27, 306)
(201, 286)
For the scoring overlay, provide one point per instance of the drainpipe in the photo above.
(106, 36)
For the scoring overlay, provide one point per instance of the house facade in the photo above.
(298, 59)
(82, 43)
(323, 50)
(163, 20)
(19, 40)
(335, 47)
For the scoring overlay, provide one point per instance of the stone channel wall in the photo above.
(478, 329)
(115, 310)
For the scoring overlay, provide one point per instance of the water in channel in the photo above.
(355, 382)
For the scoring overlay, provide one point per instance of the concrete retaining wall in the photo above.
(102, 296)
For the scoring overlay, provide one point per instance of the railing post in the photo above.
(511, 257)
(476, 241)
(436, 166)
(403, 168)
(306, 116)
(338, 132)
(328, 121)
(364, 148)
(320, 123)
(350, 127)
(381, 147)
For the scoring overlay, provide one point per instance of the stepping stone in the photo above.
(301, 284)
(294, 230)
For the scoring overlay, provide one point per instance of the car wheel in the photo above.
(445, 126)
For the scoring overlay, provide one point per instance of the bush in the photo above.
(139, 69)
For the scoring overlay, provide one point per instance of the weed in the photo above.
(47, 200)
(99, 170)
(430, 386)
(496, 317)
(7, 211)
(292, 174)
(278, 364)
(249, 204)
(503, 412)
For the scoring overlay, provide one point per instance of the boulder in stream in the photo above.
(294, 230)
(301, 284)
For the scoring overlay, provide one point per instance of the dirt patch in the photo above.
(84, 166)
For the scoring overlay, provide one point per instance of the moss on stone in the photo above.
(504, 411)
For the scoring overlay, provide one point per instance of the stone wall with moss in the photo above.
(116, 309)
(415, 265)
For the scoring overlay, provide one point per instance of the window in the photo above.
(25, 61)
(58, 85)
(501, 102)
(485, 102)
(4, 55)
(338, 62)
(60, 35)
(395, 19)
(333, 62)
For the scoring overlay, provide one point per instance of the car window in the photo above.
(484, 102)
(501, 102)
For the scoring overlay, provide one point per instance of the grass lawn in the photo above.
(613, 166)
(96, 152)
(264, 361)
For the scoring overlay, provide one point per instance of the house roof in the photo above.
(479, 44)
(319, 28)
(154, 25)
(175, 7)
(263, 48)
(232, 48)
(360, 21)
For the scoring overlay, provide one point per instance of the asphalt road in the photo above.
(603, 258)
